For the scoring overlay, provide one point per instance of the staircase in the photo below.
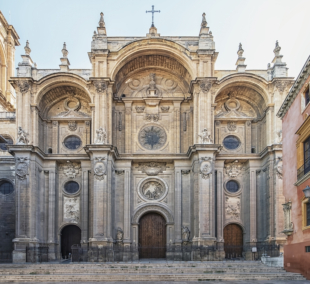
(144, 271)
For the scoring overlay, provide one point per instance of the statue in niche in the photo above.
(119, 234)
(22, 136)
(101, 136)
(205, 137)
(185, 234)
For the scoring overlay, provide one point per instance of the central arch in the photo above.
(70, 235)
(152, 236)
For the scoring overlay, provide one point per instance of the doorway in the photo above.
(70, 235)
(152, 236)
(233, 241)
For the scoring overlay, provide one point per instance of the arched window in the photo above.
(5, 139)
(49, 151)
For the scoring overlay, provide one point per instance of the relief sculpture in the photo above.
(232, 207)
(72, 209)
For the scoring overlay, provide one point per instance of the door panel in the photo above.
(152, 236)
(233, 241)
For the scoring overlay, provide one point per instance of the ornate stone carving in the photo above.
(70, 169)
(234, 169)
(22, 137)
(185, 172)
(231, 125)
(152, 168)
(100, 86)
(100, 168)
(72, 209)
(158, 207)
(150, 117)
(281, 85)
(55, 123)
(22, 167)
(288, 224)
(165, 108)
(278, 166)
(232, 207)
(205, 138)
(72, 125)
(72, 103)
(101, 136)
(278, 139)
(119, 235)
(152, 137)
(205, 167)
(152, 90)
(140, 109)
(217, 123)
(185, 234)
(205, 86)
(119, 172)
(152, 190)
(23, 86)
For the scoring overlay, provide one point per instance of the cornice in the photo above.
(296, 88)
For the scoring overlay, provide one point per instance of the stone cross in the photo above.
(153, 11)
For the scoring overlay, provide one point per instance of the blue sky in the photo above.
(256, 24)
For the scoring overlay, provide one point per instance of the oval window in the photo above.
(4, 140)
(232, 186)
(72, 187)
(6, 187)
(72, 142)
(231, 142)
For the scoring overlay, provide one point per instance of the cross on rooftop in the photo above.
(153, 11)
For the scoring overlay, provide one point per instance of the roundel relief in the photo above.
(152, 137)
(152, 189)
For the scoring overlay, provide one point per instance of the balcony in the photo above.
(7, 115)
(304, 169)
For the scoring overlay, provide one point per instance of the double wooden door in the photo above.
(152, 236)
(233, 241)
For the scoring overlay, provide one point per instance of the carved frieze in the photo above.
(22, 167)
(234, 169)
(72, 209)
(119, 172)
(206, 166)
(232, 207)
(152, 168)
(100, 168)
(70, 169)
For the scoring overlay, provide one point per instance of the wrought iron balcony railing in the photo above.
(304, 169)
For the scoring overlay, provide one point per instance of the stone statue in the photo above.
(205, 137)
(22, 136)
(278, 139)
(185, 234)
(119, 234)
(101, 136)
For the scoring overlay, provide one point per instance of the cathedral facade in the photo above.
(152, 146)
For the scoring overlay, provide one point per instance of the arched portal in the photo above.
(70, 235)
(152, 236)
(233, 241)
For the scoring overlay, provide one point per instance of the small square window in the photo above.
(307, 96)
(307, 248)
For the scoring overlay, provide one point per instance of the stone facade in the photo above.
(153, 127)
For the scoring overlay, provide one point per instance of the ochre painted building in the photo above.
(152, 134)
(295, 115)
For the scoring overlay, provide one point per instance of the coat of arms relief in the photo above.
(70, 169)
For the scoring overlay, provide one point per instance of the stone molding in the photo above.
(152, 168)
(158, 208)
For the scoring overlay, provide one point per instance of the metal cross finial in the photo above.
(153, 11)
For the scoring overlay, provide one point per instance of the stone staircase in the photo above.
(144, 271)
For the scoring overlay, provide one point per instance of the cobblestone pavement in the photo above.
(165, 282)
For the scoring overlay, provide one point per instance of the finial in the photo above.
(101, 21)
(204, 21)
(35, 65)
(268, 65)
(27, 48)
(64, 51)
(95, 33)
(240, 50)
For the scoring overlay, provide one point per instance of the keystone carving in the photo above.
(140, 109)
(72, 125)
(23, 86)
(152, 168)
(233, 169)
(205, 86)
(100, 86)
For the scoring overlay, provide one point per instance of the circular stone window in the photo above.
(72, 187)
(231, 142)
(72, 142)
(232, 186)
(152, 137)
(6, 187)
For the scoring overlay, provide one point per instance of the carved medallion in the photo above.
(22, 168)
(72, 125)
(152, 137)
(152, 190)
(205, 167)
(100, 168)
(150, 117)
(231, 125)
(152, 168)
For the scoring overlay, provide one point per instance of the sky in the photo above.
(257, 24)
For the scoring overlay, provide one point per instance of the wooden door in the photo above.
(70, 235)
(233, 241)
(152, 236)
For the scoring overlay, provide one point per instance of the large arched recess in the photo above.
(52, 81)
(153, 47)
